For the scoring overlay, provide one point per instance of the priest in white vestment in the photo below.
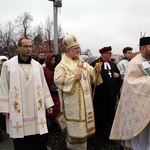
(131, 123)
(24, 99)
(74, 76)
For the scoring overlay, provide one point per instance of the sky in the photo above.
(95, 23)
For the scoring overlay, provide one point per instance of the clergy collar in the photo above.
(21, 61)
(126, 58)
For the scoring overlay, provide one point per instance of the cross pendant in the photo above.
(27, 78)
(80, 66)
(110, 74)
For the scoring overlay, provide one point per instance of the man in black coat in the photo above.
(106, 94)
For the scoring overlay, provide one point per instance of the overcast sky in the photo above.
(95, 23)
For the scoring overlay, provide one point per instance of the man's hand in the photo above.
(98, 67)
(78, 76)
(49, 111)
(116, 75)
(6, 115)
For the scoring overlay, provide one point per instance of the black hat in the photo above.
(105, 49)
(144, 41)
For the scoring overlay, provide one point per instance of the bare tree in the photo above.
(48, 32)
(7, 39)
(23, 23)
(38, 30)
(6, 34)
(60, 33)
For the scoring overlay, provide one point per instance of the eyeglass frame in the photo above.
(76, 48)
(27, 46)
(109, 53)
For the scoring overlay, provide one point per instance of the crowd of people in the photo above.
(75, 96)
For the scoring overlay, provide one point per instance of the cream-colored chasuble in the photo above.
(133, 112)
(28, 99)
(75, 96)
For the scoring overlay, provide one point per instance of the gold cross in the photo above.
(42, 123)
(86, 90)
(80, 66)
(17, 126)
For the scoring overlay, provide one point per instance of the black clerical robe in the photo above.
(105, 98)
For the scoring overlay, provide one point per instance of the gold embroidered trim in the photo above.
(75, 120)
(63, 82)
(79, 101)
(90, 121)
(15, 94)
(72, 88)
(90, 117)
(90, 129)
(39, 97)
(89, 113)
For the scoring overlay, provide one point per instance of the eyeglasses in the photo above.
(108, 53)
(76, 48)
(27, 46)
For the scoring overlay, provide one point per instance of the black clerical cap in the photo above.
(105, 49)
(144, 41)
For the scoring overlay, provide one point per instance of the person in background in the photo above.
(131, 123)
(123, 64)
(73, 78)
(113, 60)
(2, 60)
(86, 58)
(41, 58)
(106, 94)
(6, 54)
(2, 118)
(51, 62)
(25, 99)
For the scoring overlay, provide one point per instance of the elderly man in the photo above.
(24, 98)
(106, 94)
(74, 77)
(131, 123)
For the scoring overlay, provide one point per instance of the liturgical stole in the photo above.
(15, 98)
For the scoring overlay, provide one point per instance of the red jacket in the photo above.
(49, 75)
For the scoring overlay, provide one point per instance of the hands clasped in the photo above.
(78, 76)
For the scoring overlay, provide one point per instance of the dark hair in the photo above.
(40, 53)
(126, 49)
(20, 40)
